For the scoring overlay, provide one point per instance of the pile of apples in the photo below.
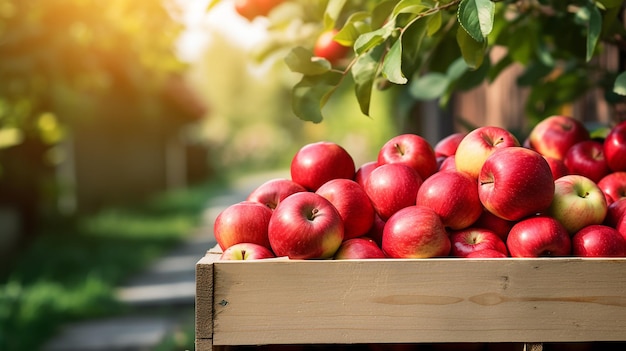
(480, 194)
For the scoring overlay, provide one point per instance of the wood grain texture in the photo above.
(204, 297)
(204, 345)
(400, 301)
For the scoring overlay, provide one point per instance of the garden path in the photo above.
(163, 295)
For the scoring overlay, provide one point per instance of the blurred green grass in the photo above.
(71, 270)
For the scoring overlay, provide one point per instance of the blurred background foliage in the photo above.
(59, 56)
(61, 62)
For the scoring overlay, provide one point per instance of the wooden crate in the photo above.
(447, 300)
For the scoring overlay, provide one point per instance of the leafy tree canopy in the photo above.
(436, 48)
(60, 56)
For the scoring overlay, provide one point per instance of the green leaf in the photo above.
(392, 64)
(620, 84)
(545, 55)
(347, 35)
(311, 94)
(457, 69)
(430, 86)
(610, 4)
(355, 26)
(359, 16)
(364, 72)
(410, 6)
(473, 52)
(476, 17)
(599, 132)
(369, 40)
(594, 27)
(434, 23)
(301, 60)
(333, 10)
(412, 39)
(382, 12)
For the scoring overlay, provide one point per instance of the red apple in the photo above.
(325, 46)
(598, 241)
(615, 148)
(359, 248)
(376, 231)
(305, 226)
(353, 204)
(243, 222)
(539, 236)
(554, 135)
(447, 164)
(251, 9)
(448, 145)
(453, 196)
(620, 226)
(440, 160)
(392, 187)
(577, 203)
(500, 226)
(615, 211)
(415, 232)
(613, 185)
(587, 158)
(246, 251)
(515, 182)
(411, 150)
(273, 191)
(316, 163)
(486, 253)
(557, 166)
(469, 240)
(364, 171)
(478, 144)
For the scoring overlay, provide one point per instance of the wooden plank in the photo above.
(419, 301)
(204, 298)
(204, 345)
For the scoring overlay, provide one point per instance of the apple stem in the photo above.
(566, 126)
(598, 155)
(313, 214)
(399, 148)
(488, 180)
